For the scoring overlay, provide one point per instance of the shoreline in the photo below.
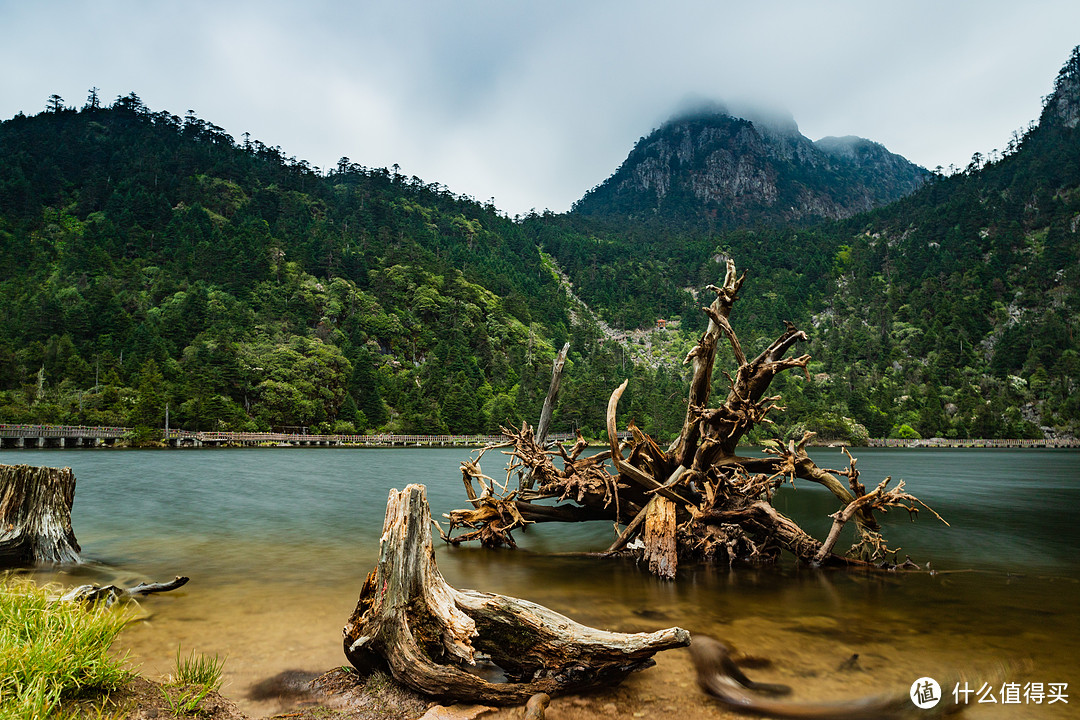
(985, 443)
(979, 444)
(21, 436)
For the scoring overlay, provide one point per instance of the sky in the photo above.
(533, 103)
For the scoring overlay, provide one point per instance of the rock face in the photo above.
(1063, 105)
(737, 171)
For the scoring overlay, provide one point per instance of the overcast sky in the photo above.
(534, 103)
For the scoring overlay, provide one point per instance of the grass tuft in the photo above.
(196, 677)
(204, 670)
(51, 652)
(185, 700)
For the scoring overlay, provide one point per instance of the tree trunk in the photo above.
(552, 396)
(659, 538)
(548, 410)
(35, 516)
(436, 639)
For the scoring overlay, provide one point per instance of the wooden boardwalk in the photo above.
(976, 443)
(67, 436)
(39, 436)
(182, 438)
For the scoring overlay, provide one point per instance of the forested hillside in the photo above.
(952, 312)
(148, 260)
(956, 311)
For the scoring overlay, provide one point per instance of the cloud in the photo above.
(534, 103)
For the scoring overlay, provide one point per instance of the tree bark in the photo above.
(703, 356)
(432, 636)
(35, 516)
(659, 538)
(552, 396)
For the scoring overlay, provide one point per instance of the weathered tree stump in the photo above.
(659, 538)
(433, 637)
(35, 516)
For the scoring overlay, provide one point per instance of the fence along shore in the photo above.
(71, 436)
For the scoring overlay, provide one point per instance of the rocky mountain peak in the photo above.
(749, 168)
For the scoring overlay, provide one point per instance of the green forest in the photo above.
(149, 260)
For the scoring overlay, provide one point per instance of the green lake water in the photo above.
(277, 543)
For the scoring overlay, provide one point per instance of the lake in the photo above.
(277, 543)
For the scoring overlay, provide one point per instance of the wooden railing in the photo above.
(252, 438)
(14, 432)
(8, 430)
(976, 443)
(11, 431)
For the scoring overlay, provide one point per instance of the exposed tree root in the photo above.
(434, 638)
(697, 498)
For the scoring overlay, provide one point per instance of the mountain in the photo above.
(148, 260)
(739, 171)
(953, 311)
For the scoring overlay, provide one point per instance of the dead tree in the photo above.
(696, 498)
(437, 639)
(549, 408)
(35, 516)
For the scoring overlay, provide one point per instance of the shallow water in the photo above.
(277, 543)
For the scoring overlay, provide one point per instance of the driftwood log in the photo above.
(438, 640)
(697, 498)
(110, 594)
(35, 516)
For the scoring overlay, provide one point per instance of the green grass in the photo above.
(202, 670)
(52, 652)
(196, 677)
(184, 700)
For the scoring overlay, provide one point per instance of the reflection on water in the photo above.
(277, 543)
